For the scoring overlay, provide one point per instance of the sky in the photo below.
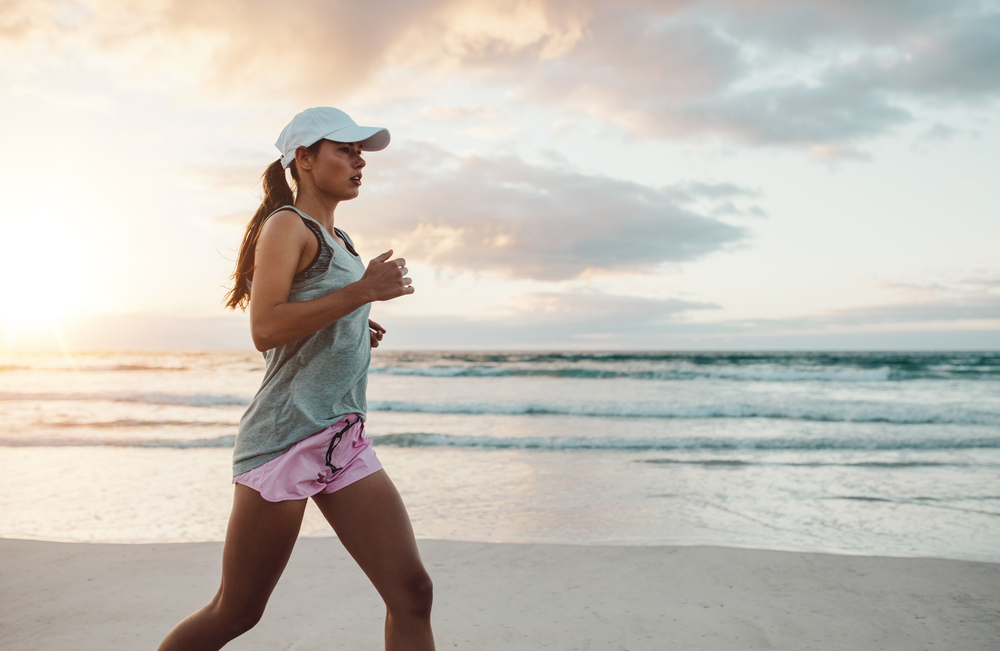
(563, 174)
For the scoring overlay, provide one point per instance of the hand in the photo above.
(375, 331)
(387, 278)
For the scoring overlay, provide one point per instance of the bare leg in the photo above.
(259, 541)
(371, 522)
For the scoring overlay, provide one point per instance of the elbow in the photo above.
(262, 340)
(262, 329)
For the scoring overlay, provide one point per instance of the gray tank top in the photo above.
(311, 383)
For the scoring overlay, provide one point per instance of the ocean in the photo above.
(875, 453)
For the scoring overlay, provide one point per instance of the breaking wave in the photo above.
(828, 412)
(690, 444)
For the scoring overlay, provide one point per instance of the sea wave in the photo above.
(736, 374)
(806, 464)
(130, 423)
(69, 441)
(748, 367)
(851, 412)
(829, 411)
(133, 367)
(180, 399)
(91, 368)
(834, 367)
(688, 444)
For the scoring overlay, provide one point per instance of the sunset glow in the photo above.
(570, 175)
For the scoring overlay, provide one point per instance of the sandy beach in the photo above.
(60, 596)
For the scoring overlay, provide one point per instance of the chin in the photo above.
(346, 196)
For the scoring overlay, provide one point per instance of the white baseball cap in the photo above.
(315, 124)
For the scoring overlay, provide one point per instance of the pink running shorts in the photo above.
(323, 463)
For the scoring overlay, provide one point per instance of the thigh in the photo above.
(371, 522)
(259, 541)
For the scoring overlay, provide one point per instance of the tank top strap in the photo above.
(348, 243)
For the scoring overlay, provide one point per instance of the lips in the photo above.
(356, 179)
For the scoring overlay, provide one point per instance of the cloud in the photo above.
(600, 309)
(967, 301)
(950, 56)
(955, 296)
(956, 310)
(506, 217)
(939, 132)
(820, 74)
(987, 307)
(593, 331)
(827, 73)
(19, 19)
(768, 73)
(317, 50)
(227, 173)
(455, 113)
(576, 319)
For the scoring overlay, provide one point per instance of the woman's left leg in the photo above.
(259, 541)
(371, 522)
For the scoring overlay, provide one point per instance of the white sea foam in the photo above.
(751, 374)
(852, 412)
(825, 411)
(687, 444)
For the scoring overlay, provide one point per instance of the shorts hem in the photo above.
(303, 472)
(274, 500)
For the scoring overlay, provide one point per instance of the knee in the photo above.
(418, 593)
(237, 620)
(245, 620)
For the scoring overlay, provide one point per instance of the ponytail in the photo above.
(277, 193)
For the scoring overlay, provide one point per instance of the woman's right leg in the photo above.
(371, 522)
(259, 540)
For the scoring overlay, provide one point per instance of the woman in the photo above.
(303, 435)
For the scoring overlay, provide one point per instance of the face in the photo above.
(336, 169)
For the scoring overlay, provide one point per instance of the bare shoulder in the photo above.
(284, 227)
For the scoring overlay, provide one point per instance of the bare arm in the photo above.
(274, 320)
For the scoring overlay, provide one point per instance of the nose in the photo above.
(361, 162)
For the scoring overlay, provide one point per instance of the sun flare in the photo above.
(46, 275)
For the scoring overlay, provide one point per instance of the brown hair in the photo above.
(277, 193)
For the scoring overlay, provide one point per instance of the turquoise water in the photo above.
(863, 453)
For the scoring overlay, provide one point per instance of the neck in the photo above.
(318, 207)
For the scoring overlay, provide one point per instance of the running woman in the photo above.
(303, 434)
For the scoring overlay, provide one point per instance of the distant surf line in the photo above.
(833, 412)
(685, 444)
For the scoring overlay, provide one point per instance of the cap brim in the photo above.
(371, 138)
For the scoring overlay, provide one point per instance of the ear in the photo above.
(303, 158)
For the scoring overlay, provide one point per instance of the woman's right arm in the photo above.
(274, 320)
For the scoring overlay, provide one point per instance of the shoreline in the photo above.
(85, 596)
(488, 540)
